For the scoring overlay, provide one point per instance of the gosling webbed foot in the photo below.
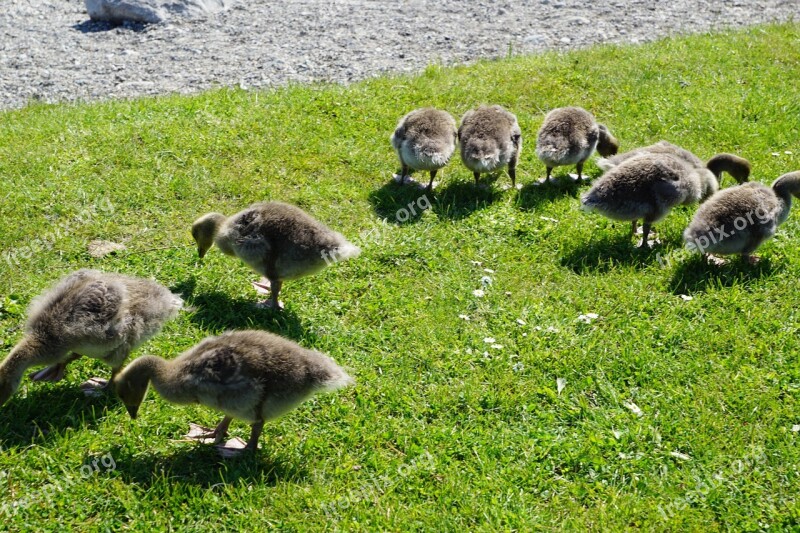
(95, 387)
(51, 373)
(233, 448)
(208, 435)
(266, 286)
(263, 286)
(270, 304)
(716, 260)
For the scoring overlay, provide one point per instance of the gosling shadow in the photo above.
(201, 465)
(459, 199)
(694, 274)
(608, 252)
(400, 204)
(217, 311)
(535, 193)
(40, 412)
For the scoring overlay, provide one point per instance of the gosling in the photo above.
(490, 139)
(100, 315)
(424, 139)
(737, 167)
(739, 219)
(645, 187)
(254, 376)
(279, 241)
(569, 136)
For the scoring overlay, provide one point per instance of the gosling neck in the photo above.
(785, 187)
(221, 239)
(147, 368)
(159, 372)
(223, 242)
(29, 352)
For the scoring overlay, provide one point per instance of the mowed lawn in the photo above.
(676, 407)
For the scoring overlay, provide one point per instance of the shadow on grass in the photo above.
(217, 311)
(455, 200)
(49, 410)
(459, 199)
(201, 465)
(400, 204)
(535, 193)
(604, 254)
(695, 274)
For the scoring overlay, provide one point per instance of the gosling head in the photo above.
(736, 166)
(204, 230)
(607, 144)
(131, 387)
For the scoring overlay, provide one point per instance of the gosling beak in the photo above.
(132, 410)
(201, 252)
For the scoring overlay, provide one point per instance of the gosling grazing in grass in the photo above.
(736, 166)
(490, 139)
(279, 241)
(737, 220)
(424, 139)
(568, 136)
(105, 316)
(644, 187)
(254, 376)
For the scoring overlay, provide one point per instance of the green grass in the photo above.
(443, 431)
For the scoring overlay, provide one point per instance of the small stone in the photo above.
(98, 248)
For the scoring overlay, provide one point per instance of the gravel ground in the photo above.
(51, 50)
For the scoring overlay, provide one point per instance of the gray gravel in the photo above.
(52, 52)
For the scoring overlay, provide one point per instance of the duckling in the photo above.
(424, 139)
(279, 241)
(490, 139)
(645, 187)
(737, 220)
(250, 375)
(100, 315)
(736, 166)
(569, 135)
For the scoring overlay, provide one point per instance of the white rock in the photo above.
(151, 11)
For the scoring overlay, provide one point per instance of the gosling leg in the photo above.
(197, 432)
(645, 233)
(255, 433)
(273, 287)
(512, 172)
(430, 184)
(54, 372)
